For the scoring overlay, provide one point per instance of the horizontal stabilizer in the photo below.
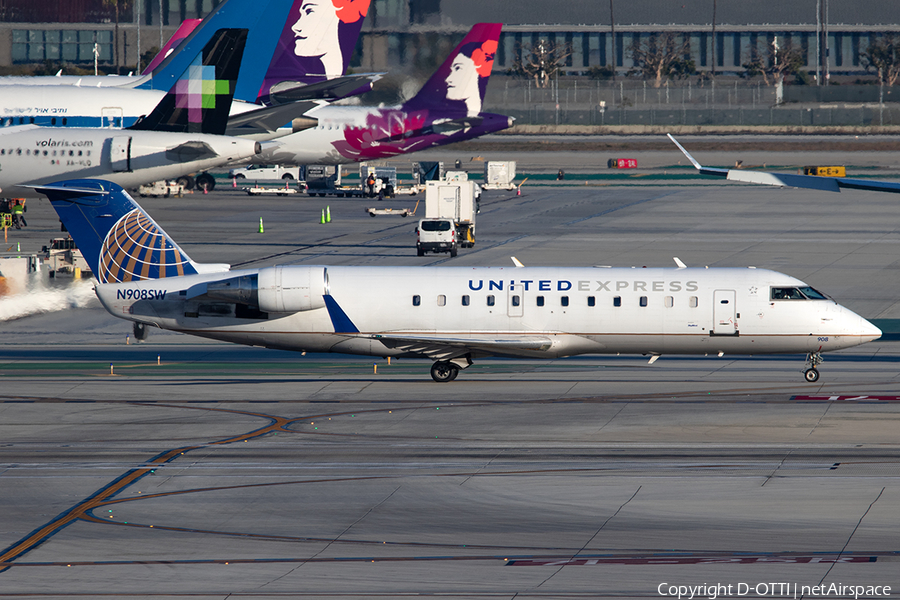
(267, 119)
(443, 127)
(331, 89)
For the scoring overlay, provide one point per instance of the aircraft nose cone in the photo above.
(868, 331)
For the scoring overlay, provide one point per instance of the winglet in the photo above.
(680, 264)
(703, 170)
(516, 262)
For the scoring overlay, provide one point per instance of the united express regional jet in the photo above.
(451, 315)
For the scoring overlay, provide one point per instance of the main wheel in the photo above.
(205, 181)
(187, 181)
(140, 331)
(419, 251)
(443, 371)
(811, 375)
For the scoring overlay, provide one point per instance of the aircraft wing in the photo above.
(445, 347)
(826, 184)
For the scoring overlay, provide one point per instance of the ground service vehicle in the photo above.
(436, 235)
(455, 198)
(262, 172)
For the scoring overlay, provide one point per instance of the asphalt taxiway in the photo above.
(202, 470)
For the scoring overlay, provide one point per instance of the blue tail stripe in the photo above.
(339, 319)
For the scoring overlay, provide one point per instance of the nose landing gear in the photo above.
(813, 359)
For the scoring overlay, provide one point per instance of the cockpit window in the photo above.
(792, 293)
(813, 294)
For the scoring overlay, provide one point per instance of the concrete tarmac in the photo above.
(204, 470)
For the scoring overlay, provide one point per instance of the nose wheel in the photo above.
(813, 359)
(443, 371)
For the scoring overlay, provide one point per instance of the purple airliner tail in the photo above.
(316, 43)
(461, 81)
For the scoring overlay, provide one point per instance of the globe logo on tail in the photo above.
(136, 249)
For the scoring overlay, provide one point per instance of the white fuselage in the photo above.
(565, 311)
(82, 107)
(31, 155)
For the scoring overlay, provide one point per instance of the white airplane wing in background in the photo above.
(813, 182)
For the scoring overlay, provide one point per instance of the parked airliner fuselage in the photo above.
(31, 155)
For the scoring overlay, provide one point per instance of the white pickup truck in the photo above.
(263, 172)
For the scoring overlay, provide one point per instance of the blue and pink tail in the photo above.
(184, 30)
(459, 85)
(117, 238)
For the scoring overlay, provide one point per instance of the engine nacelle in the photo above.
(291, 288)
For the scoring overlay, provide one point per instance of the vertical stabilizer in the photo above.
(316, 43)
(200, 100)
(459, 85)
(117, 238)
(184, 30)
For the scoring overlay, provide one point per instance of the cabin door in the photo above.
(724, 313)
(111, 116)
(120, 153)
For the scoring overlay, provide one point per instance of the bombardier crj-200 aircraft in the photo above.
(451, 315)
(181, 135)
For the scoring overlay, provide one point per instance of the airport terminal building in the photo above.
(400, 34)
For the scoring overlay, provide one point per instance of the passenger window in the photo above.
(692, 302)
(490, 300)
(465, 300)
(540, 300)
(643, 300)
(617, 301)
(591, 301)
(442, 300)
(670, 302)
(417, 300)
(564, 301)
(515, 300)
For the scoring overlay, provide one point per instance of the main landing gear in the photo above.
(443, 371)
(813, 359)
